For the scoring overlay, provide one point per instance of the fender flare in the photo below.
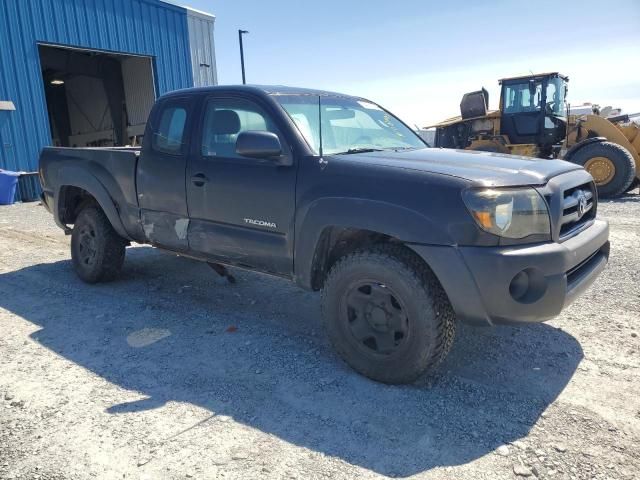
(395, 221)
(573, 150)
(76, 177)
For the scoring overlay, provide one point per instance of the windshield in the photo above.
(555, 97)
(349, 125)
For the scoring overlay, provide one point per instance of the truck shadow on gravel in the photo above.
(173, 331)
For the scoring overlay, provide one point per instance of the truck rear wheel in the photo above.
(97, 251)
(387, 315)
(611, 166)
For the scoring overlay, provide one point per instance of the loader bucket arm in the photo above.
(627, 136)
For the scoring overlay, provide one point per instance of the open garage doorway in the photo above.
(95, 98)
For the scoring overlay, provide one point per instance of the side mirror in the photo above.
(259, 144)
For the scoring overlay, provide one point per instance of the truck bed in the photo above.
(113, 168)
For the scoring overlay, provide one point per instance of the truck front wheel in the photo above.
(97, 251)
(387, 315)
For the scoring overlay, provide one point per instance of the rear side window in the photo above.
(168, 136)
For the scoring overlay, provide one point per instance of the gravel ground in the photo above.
(170, 372)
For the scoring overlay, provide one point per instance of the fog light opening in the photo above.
(519, 285)
(528, 286)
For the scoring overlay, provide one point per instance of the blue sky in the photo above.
(417, 58)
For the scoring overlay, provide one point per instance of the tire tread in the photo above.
(113, 246)
(404, 261)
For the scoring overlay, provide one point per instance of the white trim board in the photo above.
(7, 105)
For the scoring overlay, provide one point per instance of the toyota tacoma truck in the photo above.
(338, 195)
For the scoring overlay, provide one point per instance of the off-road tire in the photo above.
(109, 247)
(431, 319)
(621, 159)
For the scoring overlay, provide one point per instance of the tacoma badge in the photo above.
(260, 223)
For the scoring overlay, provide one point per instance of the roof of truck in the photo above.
(268, 89)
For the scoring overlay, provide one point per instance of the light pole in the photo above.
(240, 33)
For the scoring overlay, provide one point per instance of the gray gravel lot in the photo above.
(170, 372)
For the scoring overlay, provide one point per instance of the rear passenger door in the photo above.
(241, 209)
(161, 174)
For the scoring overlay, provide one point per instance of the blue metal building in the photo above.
(86, 72)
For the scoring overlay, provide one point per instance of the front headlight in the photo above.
(509, 212)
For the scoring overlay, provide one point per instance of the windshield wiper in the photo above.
(360, 150)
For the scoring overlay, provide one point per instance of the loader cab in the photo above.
(533, 110)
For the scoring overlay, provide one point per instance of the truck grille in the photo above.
(578, 208)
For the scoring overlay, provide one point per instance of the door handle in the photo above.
(199, 179)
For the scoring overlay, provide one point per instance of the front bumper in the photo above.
(515, 284)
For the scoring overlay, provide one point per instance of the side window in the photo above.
(168, 136)
(224, 119)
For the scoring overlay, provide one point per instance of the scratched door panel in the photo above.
(161, 175)
(165, 229)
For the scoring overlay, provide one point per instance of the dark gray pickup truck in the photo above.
(336, 194)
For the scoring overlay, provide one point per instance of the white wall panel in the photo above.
(201, 40)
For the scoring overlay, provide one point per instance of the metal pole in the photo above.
(240, 33)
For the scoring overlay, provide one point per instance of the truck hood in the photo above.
(482, 168)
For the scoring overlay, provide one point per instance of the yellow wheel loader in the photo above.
(533, 120)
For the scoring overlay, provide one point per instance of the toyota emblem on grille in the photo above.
(582, 204)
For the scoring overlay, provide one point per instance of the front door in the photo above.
(241, 209)
(161, 174)
(522, 113)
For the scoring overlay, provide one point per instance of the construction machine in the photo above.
(534, 120)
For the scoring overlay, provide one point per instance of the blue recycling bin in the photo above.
(8, 183)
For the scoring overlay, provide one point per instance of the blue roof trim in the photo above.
(168, 5)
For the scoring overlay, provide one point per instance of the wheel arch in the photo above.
(77, 186)
(334, 227)
(335, 242)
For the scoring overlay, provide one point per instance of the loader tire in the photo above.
(611, 166)
(97, 251)
(635, 184)
(387, 315)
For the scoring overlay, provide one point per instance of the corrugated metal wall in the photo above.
(203, 56)
(144, 27)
